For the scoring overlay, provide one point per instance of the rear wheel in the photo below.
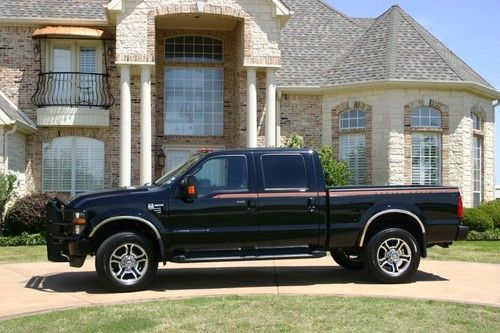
(392, 256)
(347, 260)
(126, 262)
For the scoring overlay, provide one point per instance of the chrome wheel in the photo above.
(128, 263)
(394, 256)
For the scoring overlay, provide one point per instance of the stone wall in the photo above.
(136, 27)
(391, 149)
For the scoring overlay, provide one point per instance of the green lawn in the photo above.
(471, 251)
(267, 314)
(476, 251)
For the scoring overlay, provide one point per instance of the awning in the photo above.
(71, 32)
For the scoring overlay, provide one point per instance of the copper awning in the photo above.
(71, 32)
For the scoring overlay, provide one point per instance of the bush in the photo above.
(24, 239)
(492, 208)
(6, 188)
(336, 173)
(477, 219)
(488, 235)
(28, 214)
(294, 141)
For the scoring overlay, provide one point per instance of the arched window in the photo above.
(352, 144)
(426, 146)
(72, 164)
(194, 49)
(477, 159)
(425, 117)
(476, 121)
(194, 96)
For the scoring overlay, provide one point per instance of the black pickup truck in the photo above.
(251, 204)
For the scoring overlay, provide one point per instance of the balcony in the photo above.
(73, 99)
(73, 89)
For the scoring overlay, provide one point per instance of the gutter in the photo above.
(6, 145)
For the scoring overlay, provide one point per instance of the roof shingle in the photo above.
(61, 9)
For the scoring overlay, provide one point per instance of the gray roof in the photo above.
(313, 40)
(62, 9)
(14, 113)
(396, 47)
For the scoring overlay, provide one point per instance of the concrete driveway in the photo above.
(35, 287)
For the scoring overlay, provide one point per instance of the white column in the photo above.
(125, 126)
(146, 165)
(251, 107)
(278, 120)
(271, 108)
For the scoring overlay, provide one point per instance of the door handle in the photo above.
(251, 206)
(311, 205)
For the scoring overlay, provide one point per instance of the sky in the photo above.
(468, 28)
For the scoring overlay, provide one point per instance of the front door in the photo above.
(288, 200)
(224, 215)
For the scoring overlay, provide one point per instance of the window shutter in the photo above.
(426, 158)
(353, 151)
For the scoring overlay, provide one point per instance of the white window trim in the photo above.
(218, 62)
(355, 178)
(419, 109)
(349, 118)
(74, 45)
(481, 148)
(440, 167)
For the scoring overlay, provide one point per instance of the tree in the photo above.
(7, 182)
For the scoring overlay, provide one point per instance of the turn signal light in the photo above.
(79, 219)
(191, 190)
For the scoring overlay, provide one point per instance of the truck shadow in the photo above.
(219, 278)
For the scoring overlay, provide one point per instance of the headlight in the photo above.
(79, 221)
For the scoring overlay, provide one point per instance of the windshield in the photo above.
(173, 174)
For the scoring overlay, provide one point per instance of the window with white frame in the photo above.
(477, 169)
(476, 121)
(194, 101)
(426, 146)
(353, 144)
(73, 165)
(194, 49)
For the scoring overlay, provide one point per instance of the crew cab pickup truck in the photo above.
(252, 204)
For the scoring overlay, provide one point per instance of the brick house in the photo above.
(101, 93)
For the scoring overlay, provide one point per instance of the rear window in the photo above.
(284, 172)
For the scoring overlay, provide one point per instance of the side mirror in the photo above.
(189, 188)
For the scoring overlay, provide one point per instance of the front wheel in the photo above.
(392, 256)
(353, 262)
(126, 262)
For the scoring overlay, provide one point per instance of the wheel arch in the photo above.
(105, 228)
(395, 218)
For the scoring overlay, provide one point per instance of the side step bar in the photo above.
(263, 254)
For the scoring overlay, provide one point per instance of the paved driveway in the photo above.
(35, 287)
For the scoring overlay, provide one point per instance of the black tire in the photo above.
(348, 261)
(126, 262)
(392, 256)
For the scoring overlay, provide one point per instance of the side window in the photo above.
(220, 174)
(284, 172)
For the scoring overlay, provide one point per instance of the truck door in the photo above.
(224, 215)
(288, 200)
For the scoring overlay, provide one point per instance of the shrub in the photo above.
(492, 208)
(488, 235)
(336, 173)
(294, 141)
(6, 188)
(477, 219)
(23, 240)
(28, 214)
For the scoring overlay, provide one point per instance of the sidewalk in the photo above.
(35, 287)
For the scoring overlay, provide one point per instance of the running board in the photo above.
(244, 255)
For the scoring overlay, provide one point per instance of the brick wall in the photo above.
(302, 115)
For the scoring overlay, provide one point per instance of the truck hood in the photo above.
(83, 200)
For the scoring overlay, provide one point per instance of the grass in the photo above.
(268, 314)
(17, 254)
(471, 251)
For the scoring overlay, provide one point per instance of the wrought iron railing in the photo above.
(73, 89)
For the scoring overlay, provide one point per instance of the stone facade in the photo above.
(391, 134)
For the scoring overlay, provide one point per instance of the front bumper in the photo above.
(462, 232)
(62, 244)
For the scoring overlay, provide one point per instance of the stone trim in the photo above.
(336, 131)
(444, 131)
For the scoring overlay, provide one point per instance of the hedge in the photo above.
(492, 208)
(477, 219)
(23, 240)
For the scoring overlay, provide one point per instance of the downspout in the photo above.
(6, 145)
